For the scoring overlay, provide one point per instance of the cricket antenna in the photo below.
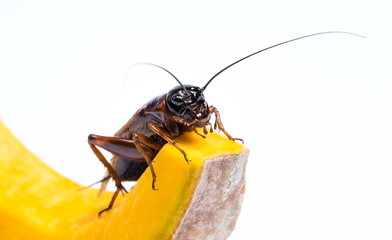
(164, 69)
(265, 49)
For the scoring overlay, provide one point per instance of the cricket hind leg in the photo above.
(120, 147)
(127, 170)
(111, 172)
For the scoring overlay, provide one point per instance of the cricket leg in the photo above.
(119, 146)
(113, 175)
(144, 145)
(219, 124)
(165, 135)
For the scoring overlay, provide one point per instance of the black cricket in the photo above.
(160, 121)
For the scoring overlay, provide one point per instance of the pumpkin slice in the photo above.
(199, 200)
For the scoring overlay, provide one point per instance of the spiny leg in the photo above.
(165, 135)
(113, 175)
(219, 124)
(118, 146)
(144, 145)
(111, 202)
(109, 167)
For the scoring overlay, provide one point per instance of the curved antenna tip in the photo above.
(278, 44)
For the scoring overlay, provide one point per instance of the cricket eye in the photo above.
(177, 100)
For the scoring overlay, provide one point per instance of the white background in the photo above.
(316, 113)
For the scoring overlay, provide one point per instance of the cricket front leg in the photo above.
(165, 135)
(218, 124)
